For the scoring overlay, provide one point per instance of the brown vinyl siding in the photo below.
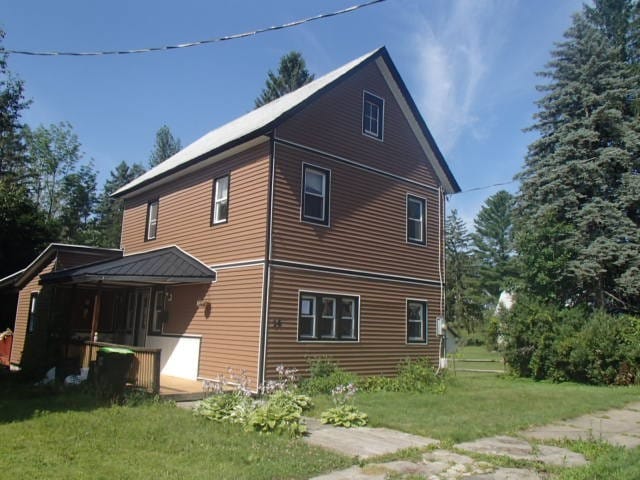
(230, 327)
(333, 124)
(382, 342)
(367, 229)
(22, 313)
(184, 212)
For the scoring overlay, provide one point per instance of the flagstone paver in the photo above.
(363, 442)
(519, 449)
(618, 426)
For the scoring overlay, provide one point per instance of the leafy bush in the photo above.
(378, 383)
(344, 413)
(571, 344)
(322, 366)
(233, 407)
(281, 414)
(345, 416)
(419, 376)
(325, 384)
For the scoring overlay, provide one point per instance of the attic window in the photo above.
(372, 115)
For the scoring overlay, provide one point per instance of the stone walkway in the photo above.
(619, 427)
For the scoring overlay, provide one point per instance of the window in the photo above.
(159, 312)
(372, 115)
(328, 317)
(416, 321)
(416, 220)
(152, 220)
(33, 317)
(221, 200)
(315, 195)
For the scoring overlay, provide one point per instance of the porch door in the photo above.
(137, 316)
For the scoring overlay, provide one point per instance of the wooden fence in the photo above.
(145, 369)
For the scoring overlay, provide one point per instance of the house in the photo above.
(311, 226)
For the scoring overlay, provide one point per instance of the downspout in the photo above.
(266, 276)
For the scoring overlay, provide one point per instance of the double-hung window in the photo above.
(315, 194)
(416, 321)
(33, 317)
(152, 220)
(416, 224)
(327, 317)
(372, 115)
(221, 200)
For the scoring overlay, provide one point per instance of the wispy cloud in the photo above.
(456, 45)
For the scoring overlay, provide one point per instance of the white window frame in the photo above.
(378, 102)
(423, 219)
(32, 320)
(424, 322)
(352, 318)
(152, 220)
(326, 195)
(218, 201)
(314, 322)
(317, 297)
(331, 318)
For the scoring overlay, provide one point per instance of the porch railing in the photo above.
(145, 369)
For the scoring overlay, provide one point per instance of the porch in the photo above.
(144, 373)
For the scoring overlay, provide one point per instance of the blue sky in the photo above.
(469, 64)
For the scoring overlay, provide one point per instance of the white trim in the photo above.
(337, 341)
(217, 201)
(327, 196)
(264, 316)
(358, 273)
(406, 321)
(406, 221)
(172, 177)
(240, 264)
(417, 131)
(380, 119)
(352, 163)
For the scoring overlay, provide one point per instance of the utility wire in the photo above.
(486, 187)
(197, 43)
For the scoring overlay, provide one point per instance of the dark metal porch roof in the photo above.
(165, 266)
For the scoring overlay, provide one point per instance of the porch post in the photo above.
(96, 313)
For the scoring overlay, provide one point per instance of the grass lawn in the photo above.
(70, 435)
(479, 405)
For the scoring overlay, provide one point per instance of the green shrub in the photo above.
(418, 376)
(345, 416)
(322, 366)
(378, 383)
(233, 407)
(281, 414)
(571, 344)
(319, 385)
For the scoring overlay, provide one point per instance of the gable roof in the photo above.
(261, 120)
(168, 265)
(21, 277)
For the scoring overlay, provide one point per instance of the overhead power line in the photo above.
(197, 43)
(486, 187)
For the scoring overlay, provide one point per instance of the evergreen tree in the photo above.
(493, 245)
(292, 74)
(580, 183)
(462, 306)
(166, 146)
(109, 210)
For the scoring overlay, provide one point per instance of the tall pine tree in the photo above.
(166, 146)
(581, 179)
(493, 245)
(292, 74)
